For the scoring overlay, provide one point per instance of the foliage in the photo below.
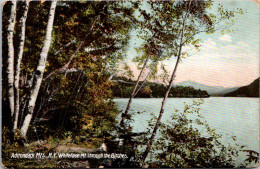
(10, 146)
(74, 95)
(82, 104)
(125, 140)
(74, 102)
(162, 24)
(127, 72)
(187, 141)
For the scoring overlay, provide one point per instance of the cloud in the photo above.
(221, 64)
(209, 44)
(235, 52)
(226, 38)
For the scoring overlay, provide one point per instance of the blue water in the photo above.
(229, 116)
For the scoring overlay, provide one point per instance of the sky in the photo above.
(227, 60)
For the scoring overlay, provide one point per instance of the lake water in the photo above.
(230, 116)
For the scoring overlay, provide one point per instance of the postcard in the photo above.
(130, 84)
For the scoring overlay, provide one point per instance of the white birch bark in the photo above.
(18, 64)
(123, 116)
(39, 70)
(10, 57)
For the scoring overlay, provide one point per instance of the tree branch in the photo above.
(66, 66)
(65, 46)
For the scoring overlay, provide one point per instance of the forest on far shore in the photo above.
(122, 87)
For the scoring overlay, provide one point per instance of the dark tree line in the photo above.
(122, 87)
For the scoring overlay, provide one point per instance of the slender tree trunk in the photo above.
(18, 64)
(123, 116)
(10, 59)
(167, 92)
(147, 75)
(39, 70)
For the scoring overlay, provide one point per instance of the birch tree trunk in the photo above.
(123, 116)
(39, 70)
(10, 59)
(18, 64)
(148, 148)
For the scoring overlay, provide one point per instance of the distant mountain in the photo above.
(212, 90)
(251, 90)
